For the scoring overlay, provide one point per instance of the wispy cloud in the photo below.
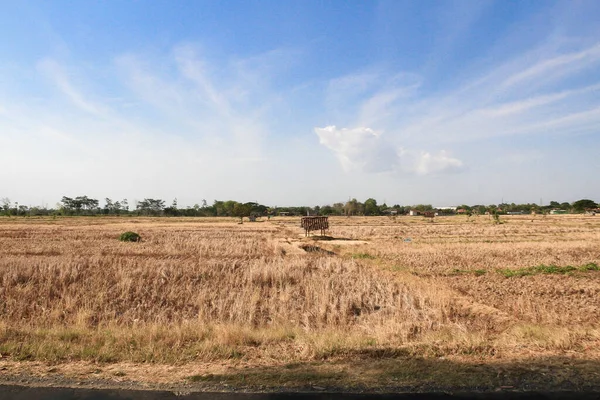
(188, 119)
(556, 67)
(211, 103)
(496, 102)
(58, 76)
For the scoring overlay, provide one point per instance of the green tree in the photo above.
(423, 207)
(5, 205)
(228, 207)
(242, 210)
(338, 208)
(150, 206)
(583, 204)
(371, 207)
(172, 210)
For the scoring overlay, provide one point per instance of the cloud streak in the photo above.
(497, 102)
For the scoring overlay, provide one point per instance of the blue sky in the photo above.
(300, 102)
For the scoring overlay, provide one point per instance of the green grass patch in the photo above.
(547, 270)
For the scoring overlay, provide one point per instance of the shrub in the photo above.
(130, 237)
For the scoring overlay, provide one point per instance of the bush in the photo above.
(130, 237)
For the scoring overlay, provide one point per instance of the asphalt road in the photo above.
(11, 392)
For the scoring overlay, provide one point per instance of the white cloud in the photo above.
(365, 150)
(427, 163)
(359, 149)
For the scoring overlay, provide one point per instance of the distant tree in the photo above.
(353, 207)
(258, 209)
(338, 208)
(465, 207)
(108, 206)
(151, 206)
(68, 204)
(423, 207)
(382, 208)
(79, 203)
(218, 208)
(6, 204)
(370, 207)
(480, 209)
(583, 204)
(86, 203)
(172, 210)
(228, 207)
(22, 210)
(242, 210)
(326, 210)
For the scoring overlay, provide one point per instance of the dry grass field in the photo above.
(381, 302)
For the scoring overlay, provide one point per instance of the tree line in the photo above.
(84, 205)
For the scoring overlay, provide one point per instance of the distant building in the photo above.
(556, 211)
(413, 213)
(445, 209)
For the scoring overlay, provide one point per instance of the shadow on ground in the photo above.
(361, 376)
(386, 370)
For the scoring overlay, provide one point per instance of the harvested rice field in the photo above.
(378, 303)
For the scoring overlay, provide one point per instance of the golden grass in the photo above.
(207, 290)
